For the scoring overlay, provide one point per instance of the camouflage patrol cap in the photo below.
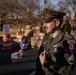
(49, 15)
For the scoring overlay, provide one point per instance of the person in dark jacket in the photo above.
(67, 27)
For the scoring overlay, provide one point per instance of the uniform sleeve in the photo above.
(5, 59)
(46, 70)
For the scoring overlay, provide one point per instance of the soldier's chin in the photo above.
(47, 32)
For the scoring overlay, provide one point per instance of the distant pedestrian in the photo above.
(67, 27)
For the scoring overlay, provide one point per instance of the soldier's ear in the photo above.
(56, 22)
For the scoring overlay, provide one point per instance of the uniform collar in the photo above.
(56, 39)
(55, 34)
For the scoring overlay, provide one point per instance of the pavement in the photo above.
(24, 66)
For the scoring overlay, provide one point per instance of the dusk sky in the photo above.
(54, 1)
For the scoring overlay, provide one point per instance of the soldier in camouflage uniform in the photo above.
(56, 52)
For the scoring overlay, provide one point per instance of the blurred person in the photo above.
(74, 34)
(74, 26)
(74, 29)
(67, 27)
(55, 55)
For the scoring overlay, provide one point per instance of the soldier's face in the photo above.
(49, 27)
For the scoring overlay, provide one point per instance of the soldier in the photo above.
(67, 27)
(56, 52)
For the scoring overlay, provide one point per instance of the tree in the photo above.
(24, 11)
(31, 8)
(69, 6)
(10, 8)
